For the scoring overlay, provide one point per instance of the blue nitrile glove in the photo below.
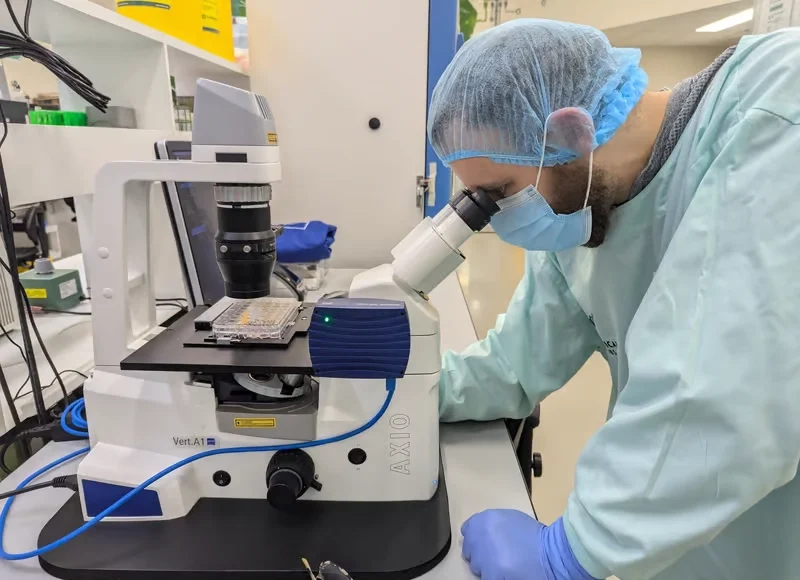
(511, 545)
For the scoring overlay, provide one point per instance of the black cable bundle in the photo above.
(23, 45)
(20, 298)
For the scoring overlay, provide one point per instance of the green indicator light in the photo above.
(327, 319)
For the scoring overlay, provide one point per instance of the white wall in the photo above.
(666, 66)
(34, 78)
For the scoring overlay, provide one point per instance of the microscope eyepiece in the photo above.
(475, 208)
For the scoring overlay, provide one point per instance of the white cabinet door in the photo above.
(327, 68)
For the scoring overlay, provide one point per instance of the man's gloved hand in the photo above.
(511, 545)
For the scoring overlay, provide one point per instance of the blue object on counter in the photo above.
(305, 242)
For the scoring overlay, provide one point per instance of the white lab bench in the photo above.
(479, 462)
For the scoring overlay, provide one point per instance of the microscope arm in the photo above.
(122, 243)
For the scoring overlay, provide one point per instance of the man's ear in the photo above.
(571, 128)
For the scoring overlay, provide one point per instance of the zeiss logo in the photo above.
(195, 442)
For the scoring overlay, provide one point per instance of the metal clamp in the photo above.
(423, 184)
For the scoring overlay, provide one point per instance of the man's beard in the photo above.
(571, 193)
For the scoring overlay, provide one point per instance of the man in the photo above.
(664, 232)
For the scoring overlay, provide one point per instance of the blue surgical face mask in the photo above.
(526, 219)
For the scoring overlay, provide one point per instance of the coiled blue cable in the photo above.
(75, 413)
(390, 388)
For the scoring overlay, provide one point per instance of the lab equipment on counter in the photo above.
(15, 111)
(50, 288)
(304, 249)
(312, 273)
(323, 442)
(114, 116)
(46, 117)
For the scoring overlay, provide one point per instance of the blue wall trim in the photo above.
(442, 32)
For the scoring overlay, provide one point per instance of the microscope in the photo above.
(299, 430)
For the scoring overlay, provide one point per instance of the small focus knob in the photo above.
(289, 475)
(536, 463)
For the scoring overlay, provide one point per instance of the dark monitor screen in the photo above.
(198, 225)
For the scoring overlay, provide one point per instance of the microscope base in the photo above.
(238, 539)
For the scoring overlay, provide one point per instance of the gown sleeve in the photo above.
(541, 341)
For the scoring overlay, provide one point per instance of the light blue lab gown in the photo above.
(694, 301)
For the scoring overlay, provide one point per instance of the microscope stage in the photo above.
(183, 348)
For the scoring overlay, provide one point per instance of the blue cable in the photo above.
(390, 388)
(25, 482)
(74, 412)
(77, 414)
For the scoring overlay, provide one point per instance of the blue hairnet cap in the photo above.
(501, 87)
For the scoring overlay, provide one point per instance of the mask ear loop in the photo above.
(541, 166)
(541, 160)
(589, 186)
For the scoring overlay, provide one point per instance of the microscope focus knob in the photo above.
(285, 486)
(289, 475)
